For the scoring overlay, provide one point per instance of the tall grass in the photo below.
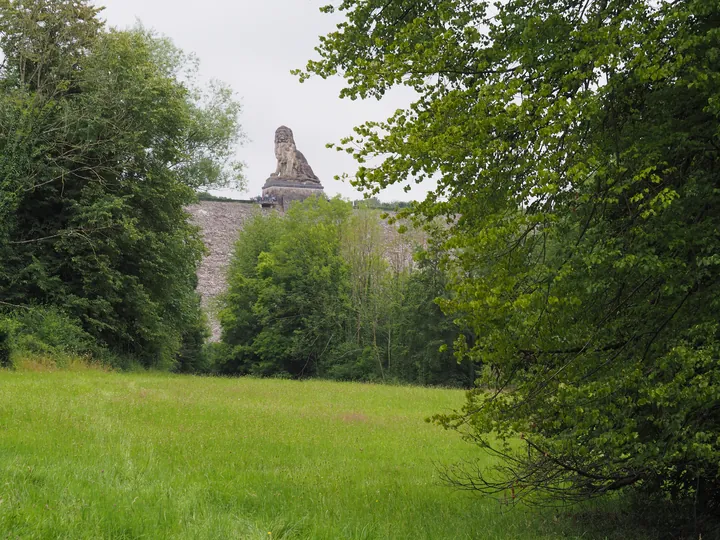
(92, 454)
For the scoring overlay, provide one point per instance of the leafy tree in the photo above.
(104, 138)
(575, 146)
(285, 306)
(239, 322)
(374, 202)
(426, 333)
(370, 298)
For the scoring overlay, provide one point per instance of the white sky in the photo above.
(252, 45)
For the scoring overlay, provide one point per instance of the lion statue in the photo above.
(292, 164)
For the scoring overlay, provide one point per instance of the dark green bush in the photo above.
(349, 362)
(5, 348)
(44, 331)
(50, 331)
(192, 356)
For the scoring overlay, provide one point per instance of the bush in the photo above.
(5, 349)
(192, 356)
(50, 331)
(351, 363)
(43, 331)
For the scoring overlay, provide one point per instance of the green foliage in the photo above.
(205, 196)
(5, 347)
(426, 332)
(104, 138)
(315, 292)
(192, 357)
(50, 331)
(375, 203)
(45, 332)
(240, 323)
(575, 150)
(287, 287)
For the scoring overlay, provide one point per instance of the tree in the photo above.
(575, 147)
(105, 137)
(239, 322)
(286, 304)
(363, 245)
(426, 332)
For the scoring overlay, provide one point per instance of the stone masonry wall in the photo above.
(221, 223)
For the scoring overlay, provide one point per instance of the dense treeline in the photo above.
(374, 202)
(104, 138)
(575, 152)
(322, 292)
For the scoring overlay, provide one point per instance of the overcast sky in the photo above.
(252, 45)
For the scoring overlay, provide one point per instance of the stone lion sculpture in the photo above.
(292, 164)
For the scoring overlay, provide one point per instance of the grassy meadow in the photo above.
(93, 454)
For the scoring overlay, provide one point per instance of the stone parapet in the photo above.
(274, 181)
(285, 192)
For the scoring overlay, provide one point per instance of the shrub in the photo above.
(192, 356)
(44, 331)
(50, 331)
(5, 349)
(352, 363)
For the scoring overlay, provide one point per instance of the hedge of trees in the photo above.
(316, 292)
(104, 138)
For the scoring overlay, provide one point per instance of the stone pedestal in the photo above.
(283, 191)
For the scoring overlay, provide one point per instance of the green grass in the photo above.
(89, 454)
